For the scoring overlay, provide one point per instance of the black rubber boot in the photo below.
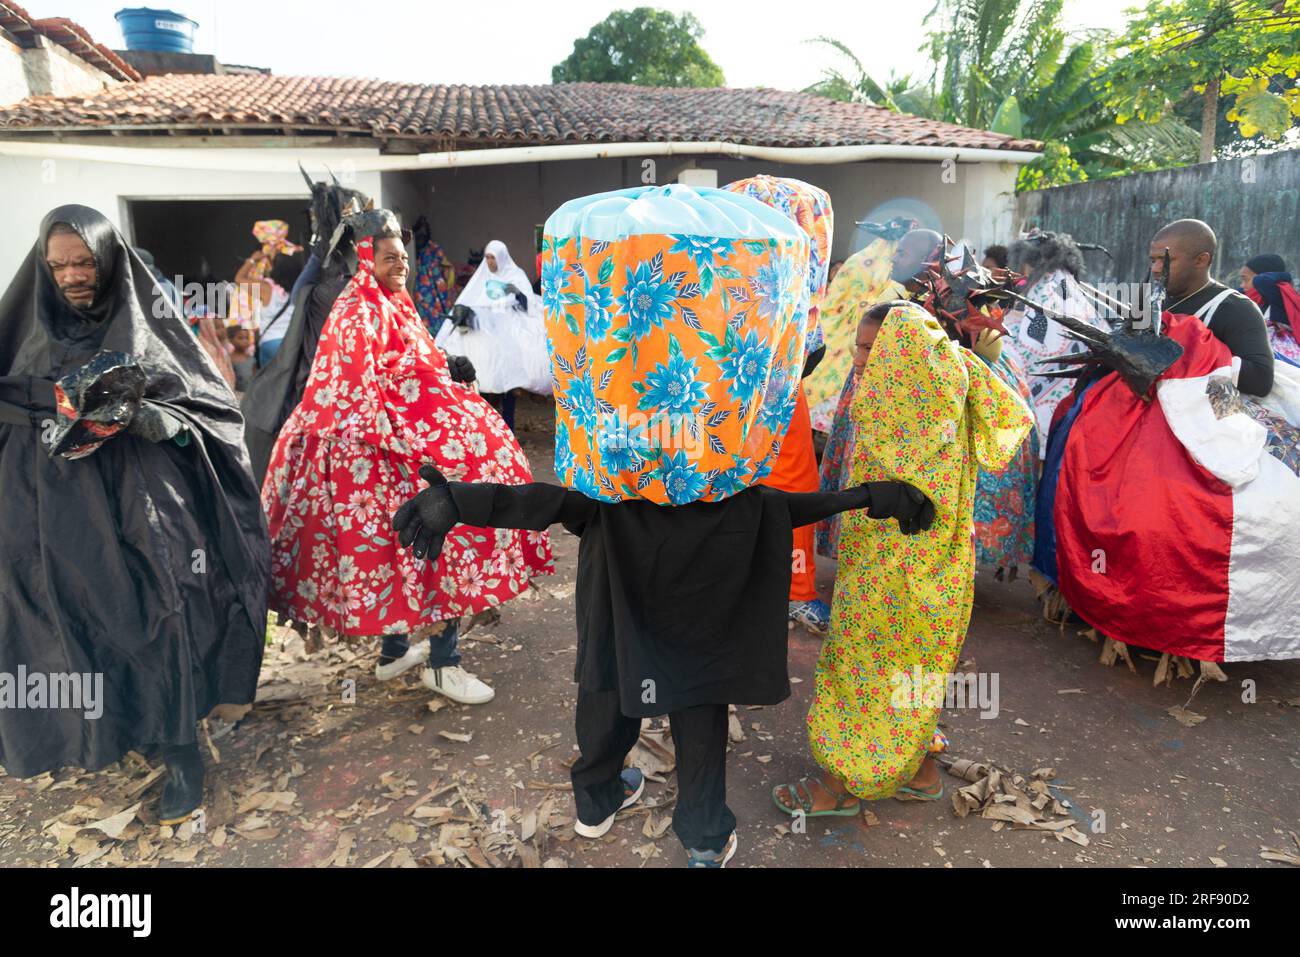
(183, 792)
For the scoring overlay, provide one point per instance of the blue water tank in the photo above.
(145, 28)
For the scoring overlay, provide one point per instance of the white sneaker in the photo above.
(457, 684)
(417, 654)
(633, 788)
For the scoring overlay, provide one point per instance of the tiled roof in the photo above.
(487, 116)
(65, 33)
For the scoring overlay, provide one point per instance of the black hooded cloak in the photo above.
(142, 562)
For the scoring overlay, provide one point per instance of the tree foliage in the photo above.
(645, 46)
(1174, 51)
(1008, 66)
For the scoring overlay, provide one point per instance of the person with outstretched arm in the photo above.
(681, 610)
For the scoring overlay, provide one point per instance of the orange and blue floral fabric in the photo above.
(675, 327)
(930, 413)
(810, 207)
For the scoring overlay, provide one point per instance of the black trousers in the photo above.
(701, 818)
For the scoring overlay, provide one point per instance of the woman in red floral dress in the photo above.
(378, 404)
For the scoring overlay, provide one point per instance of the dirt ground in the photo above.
(331, 768)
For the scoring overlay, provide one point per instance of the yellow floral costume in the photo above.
(861, 281)
(930, 413)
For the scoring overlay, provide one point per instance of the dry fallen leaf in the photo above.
(433, 815)
(261, 834)
(403, 831)
(1188, 719)
(735, 732)
(654, 753)
(457, 736)
(115, 825)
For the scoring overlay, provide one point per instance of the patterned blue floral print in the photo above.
(584, 481)
(778, 405)
(730, 481)
(702, 250)
(681, 479)
(748, 367)
(661, 357)
(553, 281)
(599, 302)
(563, 452)
(647, 300)
(622, 447)
(674, 388)
(771, 289)
(581, 397)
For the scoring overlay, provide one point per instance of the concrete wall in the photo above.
(46, 69)
(13, 74)
(32, 186)
(469, 206)
(1253, 205)
(61, 73)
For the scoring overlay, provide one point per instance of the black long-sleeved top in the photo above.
(1239, 325)
(676, 606)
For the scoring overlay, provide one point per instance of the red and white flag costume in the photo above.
(1178, 519)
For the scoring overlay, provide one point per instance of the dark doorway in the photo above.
(205, 240)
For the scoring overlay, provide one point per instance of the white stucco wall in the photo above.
(32, 186)
(469, 206)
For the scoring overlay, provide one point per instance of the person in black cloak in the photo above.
(681, 611)
(135, 551)
(277, 388)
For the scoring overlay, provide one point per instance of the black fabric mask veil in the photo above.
(100, 570)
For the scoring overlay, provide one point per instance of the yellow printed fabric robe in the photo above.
(862, 281)
(930, 413)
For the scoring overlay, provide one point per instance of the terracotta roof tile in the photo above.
(485, 116)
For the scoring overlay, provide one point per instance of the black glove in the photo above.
(461, 369)
(157, 425)
(462, 317)
(427, 518)
(915, 512)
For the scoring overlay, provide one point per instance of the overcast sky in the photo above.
(518, 41)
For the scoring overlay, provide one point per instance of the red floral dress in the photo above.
(379, 403)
